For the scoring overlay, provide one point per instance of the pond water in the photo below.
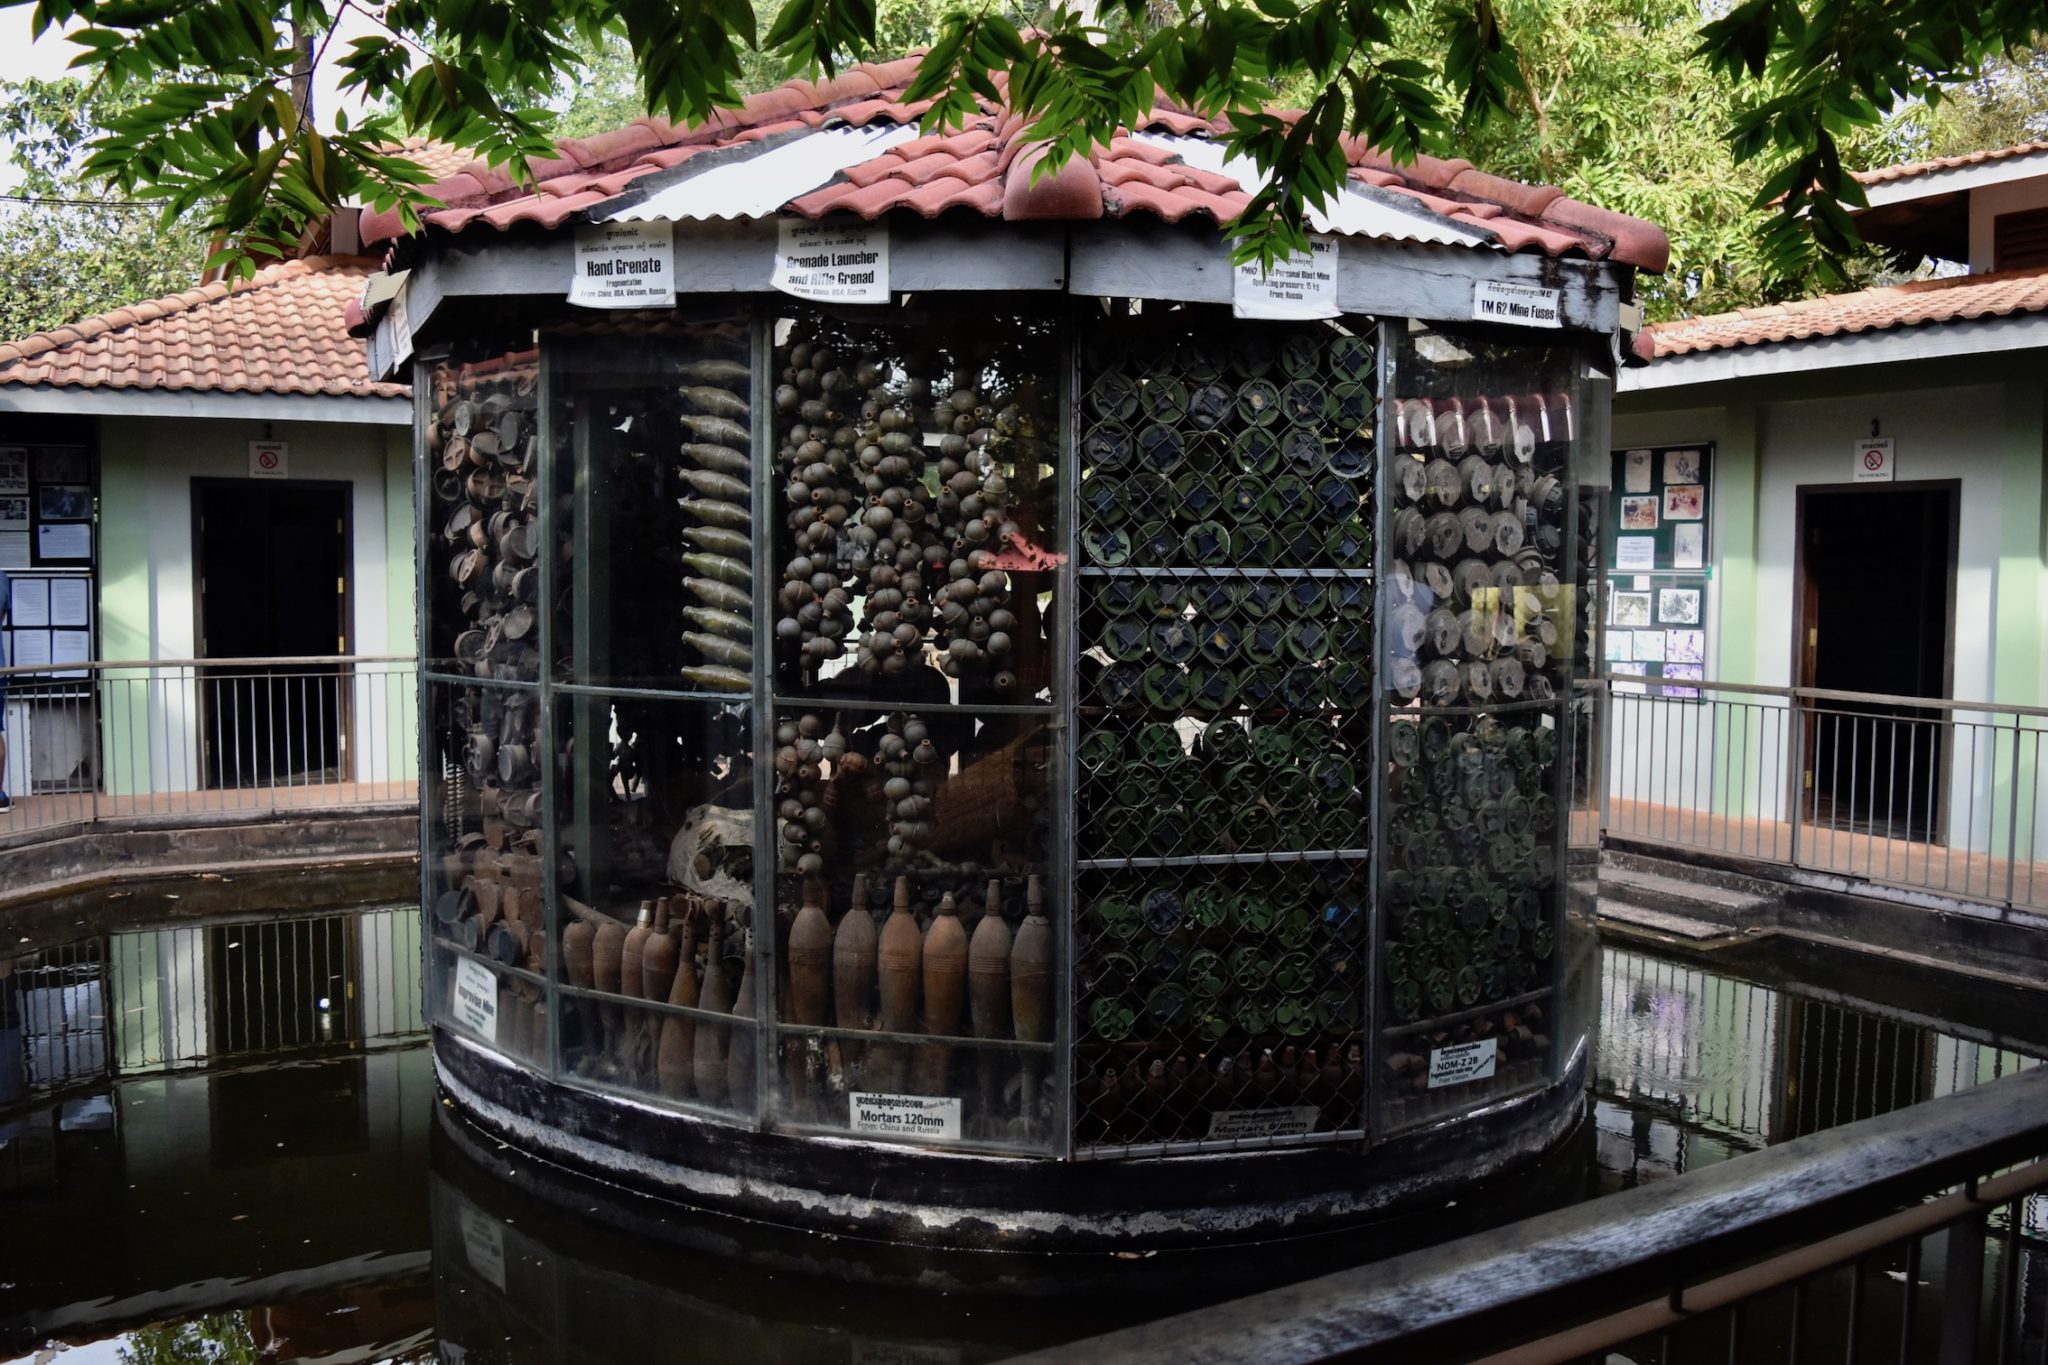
(224, 1145)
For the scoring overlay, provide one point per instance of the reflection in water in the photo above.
(128, 1002)
(295, 1199)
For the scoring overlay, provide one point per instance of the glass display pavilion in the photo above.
(947, 710)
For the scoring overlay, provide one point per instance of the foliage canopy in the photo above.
(212, 126)
(69, 250)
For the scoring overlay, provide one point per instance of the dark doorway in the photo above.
(1876, 605)
(272, 563)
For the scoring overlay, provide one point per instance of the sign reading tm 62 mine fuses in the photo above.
(1523, 305)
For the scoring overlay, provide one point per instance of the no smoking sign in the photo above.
(1874, 461)
(267, 459)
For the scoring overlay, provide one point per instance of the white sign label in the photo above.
(832, 262)
(483, 1241)
(624, 265)
(1249, 1125)
(401, 325)
(911, 1116)
(1461, 1062)
(1874, 462)
(476, 999)
(1632, 553)
(1525, 305)
(269, 460)
(1302, 286)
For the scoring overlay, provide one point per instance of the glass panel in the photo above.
(917, 557)
(482, 587)
(482, 878)
(654, 866)
(1486, 622)
(915, 850)
(1224, 731)
(652, 482)
(916, 537)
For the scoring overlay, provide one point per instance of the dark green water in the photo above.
(327, 1208)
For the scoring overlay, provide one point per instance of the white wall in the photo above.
(1955, 433)
(1990, 201)
(149, 586)
(1959, 432)
(167, 455)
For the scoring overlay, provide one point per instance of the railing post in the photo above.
(1963, 1297)
(1603, 718)
(1795, 761)
(95, 676)
(2012, 819)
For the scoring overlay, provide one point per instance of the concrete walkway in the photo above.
(1838, 851)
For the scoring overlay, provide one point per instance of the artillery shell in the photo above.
(717, 513)
(723, 430)
(713, 484)
(723, 458)
(717, 402)
(719, 651)
(715, 371)
(724, 568)
(722, 595)
(730, 624)
(717, 678)
(720, 540)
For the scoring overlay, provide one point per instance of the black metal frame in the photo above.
(765, 702)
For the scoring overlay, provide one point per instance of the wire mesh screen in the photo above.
(1223, 730)
(1487, 614)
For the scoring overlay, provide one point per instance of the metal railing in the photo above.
(1916, 1235)
(175, 737)
(131, 1002)
(1916, 793)
(1752, 1065)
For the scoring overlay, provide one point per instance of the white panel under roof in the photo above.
(757, 186)
(1358, 212)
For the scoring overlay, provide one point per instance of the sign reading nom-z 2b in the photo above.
(832, 262)
(624, 265)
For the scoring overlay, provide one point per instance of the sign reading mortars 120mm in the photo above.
(832, 262)
(931, 1117)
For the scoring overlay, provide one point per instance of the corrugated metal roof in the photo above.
(758, 186)
(1355, 214)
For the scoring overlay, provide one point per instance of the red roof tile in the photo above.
(282, 332)
(977, 168)
(1907, 170)
(1961, 298)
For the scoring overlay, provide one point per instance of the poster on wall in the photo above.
(1658, 532)
(48, 501)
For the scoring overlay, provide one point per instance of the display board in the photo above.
(46, 547)
(1658, 532)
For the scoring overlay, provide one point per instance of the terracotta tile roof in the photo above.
(983, 168)
(281, 332)
(437, 159)
(1907, 170)
(1962, 298)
